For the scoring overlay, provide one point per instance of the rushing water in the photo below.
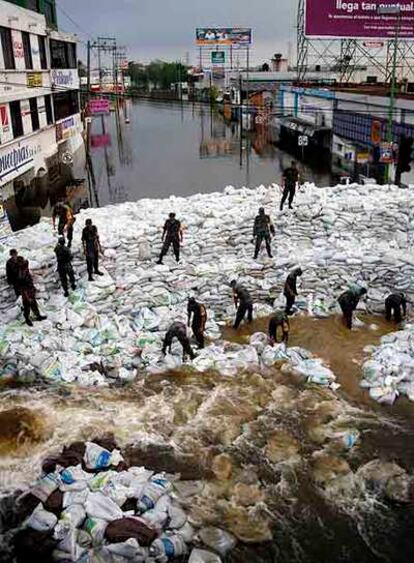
(270, 428)
(182, 149)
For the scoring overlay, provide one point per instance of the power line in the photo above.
(75, 23)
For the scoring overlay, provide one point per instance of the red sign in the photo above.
(350, 19)
(100, 140)
(99, 106)
(4, 116)
(376, 132)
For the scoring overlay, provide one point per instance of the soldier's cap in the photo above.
(61, 240)
(171, 215)
(262, 210)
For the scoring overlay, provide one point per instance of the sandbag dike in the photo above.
(286, 465)
(111, 330)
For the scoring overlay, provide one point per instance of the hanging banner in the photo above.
(223, 36)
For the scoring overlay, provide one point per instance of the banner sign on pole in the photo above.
(218, 58)
(99, 106)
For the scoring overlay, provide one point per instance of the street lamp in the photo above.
(394, 10)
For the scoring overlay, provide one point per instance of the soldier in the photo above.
(28, 292)
(290, 181)
(12, 270)
(290, 290)
(91, 248)
(349, 302)
(262, 231)
(396, 304)
(64, 265)
(172, 235)
(243, 303)
(67, 219)
(178, 330)
(280, 319)
(199, 313)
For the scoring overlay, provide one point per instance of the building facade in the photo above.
(360, 124)
(40, 123)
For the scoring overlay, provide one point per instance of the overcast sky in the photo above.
(165, 29)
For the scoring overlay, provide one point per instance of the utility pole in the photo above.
(88, 80)
(392, 10)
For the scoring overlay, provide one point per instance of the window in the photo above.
(63, 55)
(16, 118)
(49, 12)
(34, 114)
(42, 52)
(48, 106)
(27, 50)
(7, 46)
(65, 104)
(71, 55)
(32, 5)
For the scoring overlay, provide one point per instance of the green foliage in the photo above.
(158, 74)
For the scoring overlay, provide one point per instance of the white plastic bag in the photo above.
(41, 520)
(203, 556)
(101, 507)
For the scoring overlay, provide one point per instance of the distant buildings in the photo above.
(40, 123)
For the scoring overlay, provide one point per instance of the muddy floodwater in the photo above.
(267, 447)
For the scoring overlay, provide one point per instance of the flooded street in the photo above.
(183, 149)
(252, 437)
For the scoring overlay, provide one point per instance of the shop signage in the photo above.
(65, 129)
(99, 106)
(65, 78)
(15, 160)
(5, 229)
(34, 79)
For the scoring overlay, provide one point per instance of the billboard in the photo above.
(223, 36)
(358, 20)
(218, 57)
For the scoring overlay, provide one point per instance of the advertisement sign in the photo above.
(358, 20)
(223, 36)
(363, 157)
(387, 153)
(34, 79)
(103, 140)
(218, 58)
(5, 128)
(99, 106)
(376, 132)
